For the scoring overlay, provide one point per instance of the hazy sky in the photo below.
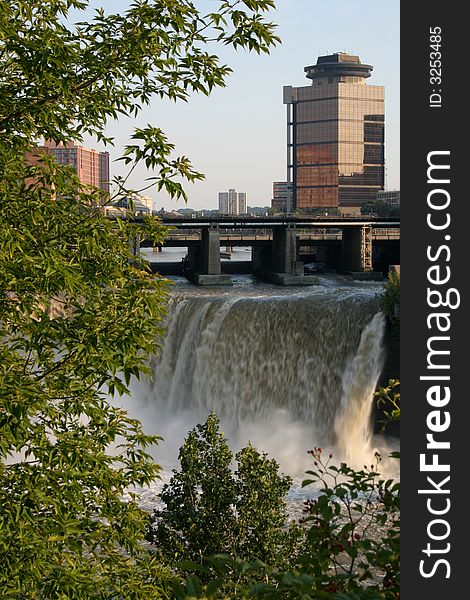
(237, 136)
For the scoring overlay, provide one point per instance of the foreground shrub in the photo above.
(209, 509)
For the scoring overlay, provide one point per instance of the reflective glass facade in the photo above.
(335, 135)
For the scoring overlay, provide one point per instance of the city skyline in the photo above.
(237, 136)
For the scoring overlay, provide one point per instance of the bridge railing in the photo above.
(265, 235)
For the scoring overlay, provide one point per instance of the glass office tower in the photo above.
(335, 141)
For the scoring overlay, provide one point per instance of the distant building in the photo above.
(242, 203)
(146, 200)
(207, 212)
(163, 213)
(223, 203)
(92, 166)
(261, 211)
(186, 211)
(392, 198)
(132, 204)
(335, 143)
(281, 200)
(232, 202)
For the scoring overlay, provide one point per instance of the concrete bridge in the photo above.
(275, 243)
(183, 239)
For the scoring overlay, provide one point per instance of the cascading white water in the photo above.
(352, 422)
(269, 365)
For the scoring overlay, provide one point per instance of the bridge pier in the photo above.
(278, 263)
(356, 252)
(203, 264)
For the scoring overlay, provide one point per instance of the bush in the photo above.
(390, 299)
(210, 510)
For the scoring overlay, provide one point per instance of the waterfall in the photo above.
(352, 422)
(312, 359)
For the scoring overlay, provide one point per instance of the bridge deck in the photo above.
(243, 222)
(183, 239)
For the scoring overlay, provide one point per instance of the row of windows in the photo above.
(330, 131)
(316, 197)
(365, 107)
(336, 174)
(333, 107)
(343, 90)
(344, 154)
(368, 177)
(316, 111)
(360, 121)
(373, 154)
(327, 175)
(374, 130)
(354, 133)
(357, 194)
(316, 154)
(316, 132)
(365, 91)
(339, 79)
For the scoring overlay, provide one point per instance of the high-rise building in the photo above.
(232, 202)
(242, 203)
(281, 200)
(223, 203)
(92, 166)
(335, 142)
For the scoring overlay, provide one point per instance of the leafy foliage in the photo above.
(388, 399)
(351, 551)
(262, 531)
(390, 299)
(210, 510)
(355, 527)
(79, 314)
(79, 317)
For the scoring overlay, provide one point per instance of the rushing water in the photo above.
(285, 369)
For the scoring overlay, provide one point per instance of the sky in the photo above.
(237, 136)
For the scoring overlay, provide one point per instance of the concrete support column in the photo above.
(203, 262)
(284, 251)
(210, 252)
(351, 249)
(278, 263)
